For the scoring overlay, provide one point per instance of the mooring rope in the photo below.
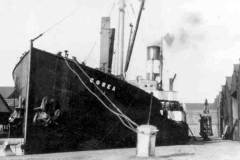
(119, 115)
(103, 93)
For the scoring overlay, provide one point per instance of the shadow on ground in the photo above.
(170, 156)
(200, 141)
(176, 155)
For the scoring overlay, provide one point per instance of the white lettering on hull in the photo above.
(103, 84)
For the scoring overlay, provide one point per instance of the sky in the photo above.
(204, 37)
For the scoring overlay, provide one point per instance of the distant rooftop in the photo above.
(198, 106)
(6, 91)
(3, 106)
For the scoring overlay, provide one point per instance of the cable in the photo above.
(130, 19)
(113, 6)
(120, 116)
(133, 10)
(90, 52)
(54, 25)
(150, 110)
(104, 93)
(60, 21)
(86, 86)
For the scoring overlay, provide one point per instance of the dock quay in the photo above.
(196, 150)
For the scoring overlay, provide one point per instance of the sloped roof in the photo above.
(12, 103)
(6, 91)
(236, 67)
(234, 80)
(228, 82)
(4, 106)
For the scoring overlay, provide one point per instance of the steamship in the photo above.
(65, 105)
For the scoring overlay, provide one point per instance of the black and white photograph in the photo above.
(120, 79)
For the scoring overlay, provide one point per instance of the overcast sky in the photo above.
(205, 37)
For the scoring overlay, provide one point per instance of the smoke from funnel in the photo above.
(185, 33)
(193, 18)
(169, 39)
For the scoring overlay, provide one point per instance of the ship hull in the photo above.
(84, 124)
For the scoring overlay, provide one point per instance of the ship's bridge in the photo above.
(152, 86)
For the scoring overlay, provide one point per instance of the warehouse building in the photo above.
(228, 102)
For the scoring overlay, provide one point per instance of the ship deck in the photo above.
(211, 150)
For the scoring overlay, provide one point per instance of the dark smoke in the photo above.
(193, 18)
(183, 36)
(169, 39)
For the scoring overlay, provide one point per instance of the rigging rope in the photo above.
(90, 52)
(119, 115)
(130, 19)
(113, 6)
(61, 20)
(55, 24)
(103, 102)
(150, 109)
(133, 10)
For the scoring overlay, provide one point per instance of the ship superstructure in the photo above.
(153, 83)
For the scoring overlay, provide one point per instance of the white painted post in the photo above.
(146, 140)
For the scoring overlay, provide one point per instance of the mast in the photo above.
(129, 54)
(161, 65)
(122, 6)
(26, 118)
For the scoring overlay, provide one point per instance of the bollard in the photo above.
(146, 140)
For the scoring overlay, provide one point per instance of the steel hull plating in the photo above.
(85, 124)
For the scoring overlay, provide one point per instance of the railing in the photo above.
(166, 95)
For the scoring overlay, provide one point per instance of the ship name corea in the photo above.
(103, 84)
